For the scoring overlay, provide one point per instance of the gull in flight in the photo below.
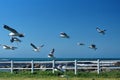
(64, 35)
(51, 54)
(59, 68)
(8, 47)
(14, 39)
(62, 69)
(101, 31)
(80, 44)
(93, 46)
(36, 49)
(13, 32)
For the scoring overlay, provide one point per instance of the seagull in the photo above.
(93, 46)
(14, 39)
(62, 69)
(101, 31)
(51, 54)
(59, 68)
(36, 49)
(64, 35)
(13, 32)
(80, 44)
(8, 47)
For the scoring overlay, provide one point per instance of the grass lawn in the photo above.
(58, 78)
(48, 75)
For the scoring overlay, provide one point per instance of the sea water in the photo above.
(57, 59)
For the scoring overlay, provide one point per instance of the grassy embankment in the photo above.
(48, 75)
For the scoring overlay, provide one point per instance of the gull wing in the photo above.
(15, 39)
(10, 29)
(64, 35)
(6, 46)
(98, 29)
(33, 46)
(42, 45)
(13, 48)
(93, 45)
(80, 43)
(50, 55)
(52, 51)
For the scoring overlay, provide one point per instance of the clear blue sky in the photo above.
(42, 21)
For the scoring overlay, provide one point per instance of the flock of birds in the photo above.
(93, 46)
(15, 37)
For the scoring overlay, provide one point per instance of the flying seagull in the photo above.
(62, 69)
(51, 54)
(13, 32)
(36, 49)
(101, 31)
(8, 47)
(14, 39)
(59, 68)
(64, 35)
(93, 46)
(80, 44)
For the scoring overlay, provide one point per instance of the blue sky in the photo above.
(42, 21)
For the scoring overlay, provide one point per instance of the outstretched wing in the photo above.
(33, 46)
(13, 48)
(10, 29)
(80, 43)
(42, 45)
(64, 35)
(6, 46)
(98, 29)
(93, 45)
(14, 39)
(50, 55)
(52, 51)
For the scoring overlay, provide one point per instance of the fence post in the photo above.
(98, 66)
(53, 66)
(32, 66)
(75, 67)
(11, 66)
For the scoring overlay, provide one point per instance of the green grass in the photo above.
(48, 75)
(58, 78)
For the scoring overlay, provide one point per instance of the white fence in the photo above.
(95, 65)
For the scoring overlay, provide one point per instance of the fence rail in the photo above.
(96, 65)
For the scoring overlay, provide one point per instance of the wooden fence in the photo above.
(92, 65)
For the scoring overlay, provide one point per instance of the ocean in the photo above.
(57, 59)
